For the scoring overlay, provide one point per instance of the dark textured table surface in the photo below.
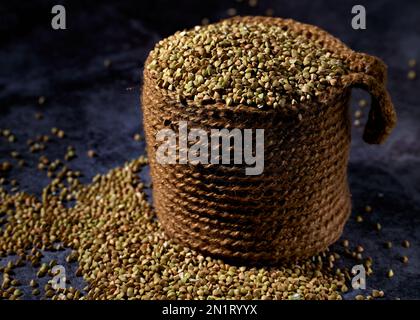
(98, 106)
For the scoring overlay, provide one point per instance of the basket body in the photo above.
(296, 208)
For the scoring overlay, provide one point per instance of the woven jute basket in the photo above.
(298, 206)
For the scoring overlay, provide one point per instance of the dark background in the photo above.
(98, 107)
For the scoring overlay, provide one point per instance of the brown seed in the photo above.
(72, 256)
(33, 283)
(231, 12)
(38, 116)
(269, 12)
(252, 3)
(368, 209)
(15, 282)
(359, 219)
(362, 103)
(52, 263)
(41, 100)
(378, 226)
(130, 292)
(107, 63)
(17, 293)
(388, 244)
(6, 166)
(70, 155)
(91, 154)
(376, 294)
(137, 137)
(49, 293)
(15, 154)
(411, 75)
(42, 270)
(60, 134)
(79, 272)
(406, 244)
(390, 273)
(359, 249)
(360, 297)
(404, 259)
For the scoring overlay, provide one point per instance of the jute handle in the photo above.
(369, 73)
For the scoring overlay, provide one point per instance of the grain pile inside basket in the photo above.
(244, 63)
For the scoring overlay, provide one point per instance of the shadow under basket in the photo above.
(299, 204)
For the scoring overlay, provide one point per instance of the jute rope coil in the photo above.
(298, 206)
